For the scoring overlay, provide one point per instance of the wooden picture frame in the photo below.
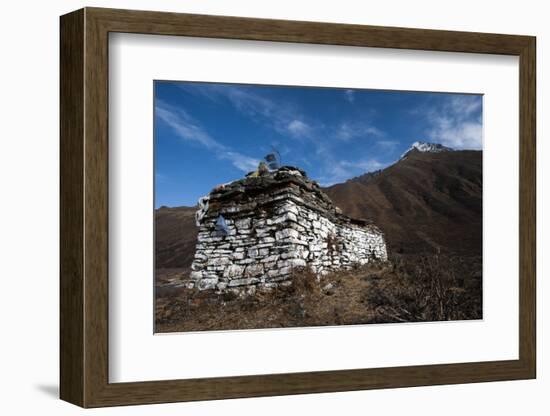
(84, 207)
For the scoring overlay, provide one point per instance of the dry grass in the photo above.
(408, 289)
(431, 288)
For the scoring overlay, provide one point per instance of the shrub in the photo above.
(304, 282)
(424, 288)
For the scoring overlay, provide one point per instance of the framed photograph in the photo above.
(255, 207)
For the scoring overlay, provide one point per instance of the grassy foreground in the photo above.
(406, 289)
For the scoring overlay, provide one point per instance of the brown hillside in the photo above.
(423, 202)
(175, 237)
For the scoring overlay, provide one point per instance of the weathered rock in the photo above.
(297, 263)
(287, 232)
(233, 271)
(219, 261)
(238, 255)
(270, 259)
(254, 270)
(243, 223)
(207, 284)
(197, 275)
(243, 282)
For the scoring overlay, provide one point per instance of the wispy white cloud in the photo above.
(160, 178)
(287, 119)
(240, 161)
(184, 125)
(351, 130)
(368, 165)
(457, 123)
(465, 104)
(298, 128)
(282, 116)
(189, 129)
(337, 171)
(350, 95)
(387, 145)
(335, 174)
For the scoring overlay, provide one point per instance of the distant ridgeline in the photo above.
(254, 231)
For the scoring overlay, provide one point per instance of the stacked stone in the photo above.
(275, 223)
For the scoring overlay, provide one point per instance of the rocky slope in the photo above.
(427, 201)
(175, 237)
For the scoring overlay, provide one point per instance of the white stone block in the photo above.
(221, 261)
(243, 282)
(233, 271)
(254, 270)
(285, 233)
(297, 263)
(196, 275)
(207, 284)
(271, 258)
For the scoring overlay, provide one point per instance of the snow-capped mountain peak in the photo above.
(426, 147)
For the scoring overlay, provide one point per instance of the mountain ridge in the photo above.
(427, 201)
(426, 147)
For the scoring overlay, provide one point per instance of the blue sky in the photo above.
(212, 133)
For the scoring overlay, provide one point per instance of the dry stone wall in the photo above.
(272, 225)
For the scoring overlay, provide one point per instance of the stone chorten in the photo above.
(254, 231)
